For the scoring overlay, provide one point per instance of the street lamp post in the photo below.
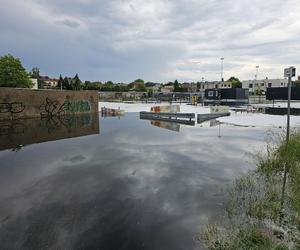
(222, 61)
(255, 79)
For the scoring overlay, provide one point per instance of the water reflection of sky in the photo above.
(134, 186)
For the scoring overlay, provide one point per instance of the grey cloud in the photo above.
(122, 40)
(71, 24)
(149, 187)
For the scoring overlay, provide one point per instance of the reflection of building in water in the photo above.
(166, 125)
(14, 133)
(208, 123)
(108, 112)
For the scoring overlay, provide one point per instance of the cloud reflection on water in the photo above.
(134, 186)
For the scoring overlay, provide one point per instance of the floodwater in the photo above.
(116, 183)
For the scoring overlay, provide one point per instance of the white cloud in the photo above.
(158, 40)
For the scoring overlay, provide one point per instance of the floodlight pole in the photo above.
(255, 79)
(222, 68)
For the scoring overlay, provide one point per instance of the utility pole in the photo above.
(222, 60)
(255, 78)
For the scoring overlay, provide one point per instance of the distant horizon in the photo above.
(159, 40)
(163, 82)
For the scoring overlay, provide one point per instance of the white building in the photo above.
(49, 82)
(35, 83)
(262, 85)
(215, 85)
(167, 89)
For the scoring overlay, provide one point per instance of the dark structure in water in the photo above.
(230, 97)
(281, 93)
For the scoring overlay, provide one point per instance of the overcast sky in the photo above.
(157, 40)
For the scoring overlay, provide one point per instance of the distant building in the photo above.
(215, 85)
(167, 89)
(262, 85)
(49, 82)
(190, 86)
(151, 86)
(35, 83)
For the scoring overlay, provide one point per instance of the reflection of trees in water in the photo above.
(263, 211)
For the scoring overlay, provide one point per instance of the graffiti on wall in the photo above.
(51, 108)
(11, 107)
(75, 106)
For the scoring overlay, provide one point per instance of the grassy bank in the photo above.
(263, 211)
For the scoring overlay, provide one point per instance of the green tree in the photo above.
(76, 83)
(137, 85)
(35, 73)
(13, 74)
(67, 83)
(139, 81)
(235, 82)
(176, 86)
(140, 86)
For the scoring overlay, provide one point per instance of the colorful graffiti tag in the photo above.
(53, 108)
(80, 106)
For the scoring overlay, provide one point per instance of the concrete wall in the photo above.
(27, 103)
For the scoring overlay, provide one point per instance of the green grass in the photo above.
(263, 205)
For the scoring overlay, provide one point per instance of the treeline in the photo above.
(70, 83)
(137, 85)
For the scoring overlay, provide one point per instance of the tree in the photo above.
(139, 81)
(235, 82)
(13, 74)
(140, 86)
(67, 83)
(176, 86)
(137, 85)
(35, 73)
(76, 83)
